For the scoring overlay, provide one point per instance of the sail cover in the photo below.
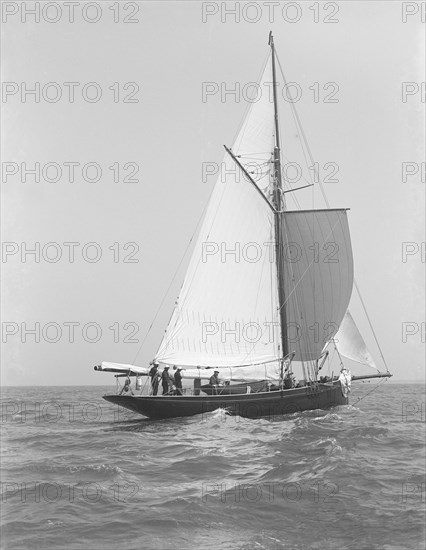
(318, 278)
(227, 311)
(351, 344)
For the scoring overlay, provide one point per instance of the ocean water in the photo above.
(79, 473)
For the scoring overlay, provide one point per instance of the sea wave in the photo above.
(351, 478)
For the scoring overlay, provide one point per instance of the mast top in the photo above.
(270, 39)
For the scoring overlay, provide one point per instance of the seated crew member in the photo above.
(215, 380)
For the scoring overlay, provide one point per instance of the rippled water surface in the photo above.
(79, 473)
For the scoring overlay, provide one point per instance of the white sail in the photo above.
(351, 344)
(318, 278)
(227, 311)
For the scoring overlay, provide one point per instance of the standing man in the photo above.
(155, 378)
(178, 381)
(165, 380)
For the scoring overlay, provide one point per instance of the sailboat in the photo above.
(266, 294)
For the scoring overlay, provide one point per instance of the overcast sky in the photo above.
(171, 49)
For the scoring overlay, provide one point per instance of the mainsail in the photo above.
(230, 309)
(318, 278)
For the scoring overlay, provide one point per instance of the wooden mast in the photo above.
(279, 205)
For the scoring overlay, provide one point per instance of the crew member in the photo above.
(165, 380)
(155, 378)
(288, 381)
(214, 380)
(178, 381)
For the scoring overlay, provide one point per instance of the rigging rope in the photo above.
(370, 323)
(371, 391)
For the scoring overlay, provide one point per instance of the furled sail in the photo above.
(227, 312)
(351, 344)
(121, 368)
(318, 278)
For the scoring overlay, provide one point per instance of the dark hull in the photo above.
(258, 405)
